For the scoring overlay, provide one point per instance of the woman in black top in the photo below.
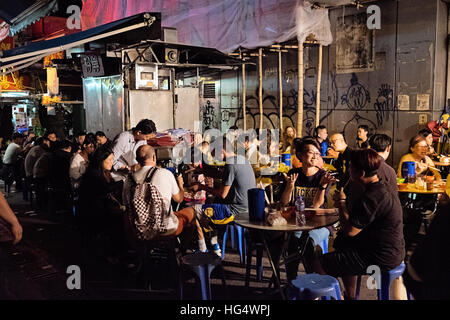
(99, 209)
(371, 233)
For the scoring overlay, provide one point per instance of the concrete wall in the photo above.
(407, 57)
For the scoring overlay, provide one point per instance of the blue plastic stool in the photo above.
(202, 264)
(386, 279)
(311, 286)
(234, 230)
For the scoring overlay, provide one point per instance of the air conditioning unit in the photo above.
(146, 76)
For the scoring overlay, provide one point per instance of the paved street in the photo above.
(36, 268)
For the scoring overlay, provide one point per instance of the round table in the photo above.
(412, 189)
(321, 218)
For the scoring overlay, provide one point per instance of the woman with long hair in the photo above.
(289, 135)
(99, 211)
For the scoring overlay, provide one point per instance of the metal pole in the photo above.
(280, 81)
(244, 88)
(261, 114)
(319, 79)
(300, 90)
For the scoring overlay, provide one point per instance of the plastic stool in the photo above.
(202, 264)
(312, 286)
(234, 230)
(259, 247)
(386, 279)
(153, 252)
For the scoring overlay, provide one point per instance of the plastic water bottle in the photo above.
(300, 219)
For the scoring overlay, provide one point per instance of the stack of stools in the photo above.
(312, 286)
(201, 264)
(386, 279)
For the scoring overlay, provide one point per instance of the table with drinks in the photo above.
(286, 220)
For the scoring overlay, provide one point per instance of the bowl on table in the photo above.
(402, 186)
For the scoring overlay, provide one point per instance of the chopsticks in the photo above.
(432, 168)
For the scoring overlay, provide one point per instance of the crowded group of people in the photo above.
(116, 188)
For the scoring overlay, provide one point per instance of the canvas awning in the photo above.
(118, 31)
(20, 14)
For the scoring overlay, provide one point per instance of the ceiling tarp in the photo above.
(222, 24)
(20, 14)
(38, 50)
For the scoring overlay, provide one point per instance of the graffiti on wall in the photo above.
(384, 105)
(356, 99)
(210, 116)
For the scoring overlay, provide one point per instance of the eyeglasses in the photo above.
(316, 154)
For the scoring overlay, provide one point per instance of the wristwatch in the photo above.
(323, 188)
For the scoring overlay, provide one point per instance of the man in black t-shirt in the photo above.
(371, 232)
(342, 163)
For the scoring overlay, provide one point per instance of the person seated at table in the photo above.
(295, 162)
(102, 139)
(99, 211)
(342, 163)
(321, 135)
(265, 150)
(231, 197)
(371, 233)
(287, 142)
(382, 144)
(419, 148)
(80, 160)
(362, 137)
(312, 183)
(428, 135)
(169, 189)
(426, 276)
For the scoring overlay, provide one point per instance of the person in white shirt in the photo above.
(125, 146)
(80, 160)
(11, 171)
(13, 150)
(169, 188)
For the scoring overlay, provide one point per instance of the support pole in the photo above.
(244, 89)
(319, 80)
(300, 90)
(261, 112)
(280, 88)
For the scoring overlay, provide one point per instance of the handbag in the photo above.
(5, 232)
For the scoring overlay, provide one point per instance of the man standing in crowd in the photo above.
(126, 144)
